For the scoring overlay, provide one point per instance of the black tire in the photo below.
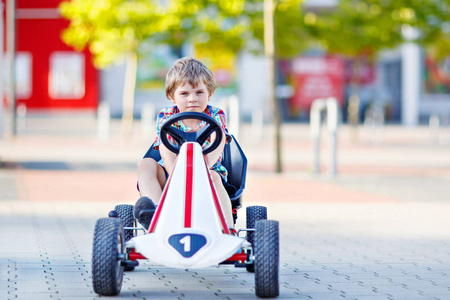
(125, 213)
(107, 271)
(254, 213)
(267, 259)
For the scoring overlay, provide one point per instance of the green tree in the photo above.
(357, 29)
(236, 25)
(429, 18)
(362, 28)
(113, 29)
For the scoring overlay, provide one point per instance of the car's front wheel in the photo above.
(267, 258)
(107, 256)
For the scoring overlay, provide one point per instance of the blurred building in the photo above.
(405, 83)
(49, 74)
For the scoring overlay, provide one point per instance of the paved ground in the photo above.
(378, 230)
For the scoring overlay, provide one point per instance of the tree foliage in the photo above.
(112, 28)
(368, 26)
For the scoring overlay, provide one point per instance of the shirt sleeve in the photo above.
(219, 115)
(163, 115)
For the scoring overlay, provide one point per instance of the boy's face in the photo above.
(188, 98)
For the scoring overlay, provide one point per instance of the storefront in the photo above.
(50, 74)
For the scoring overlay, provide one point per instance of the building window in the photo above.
(22, 73)
(24, 65)
(66, 78)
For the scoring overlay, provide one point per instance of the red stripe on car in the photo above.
(189, 188)
(217, 204)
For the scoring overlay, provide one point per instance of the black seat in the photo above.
(235, 162)
(152, 153)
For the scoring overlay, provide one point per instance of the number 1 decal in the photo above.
(186, 241)
(187, 244)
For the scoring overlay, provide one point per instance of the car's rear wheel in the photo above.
(125, 213)
(254, 213)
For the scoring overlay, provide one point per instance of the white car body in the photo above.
(188, 229)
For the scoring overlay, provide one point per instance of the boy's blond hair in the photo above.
(189, 70)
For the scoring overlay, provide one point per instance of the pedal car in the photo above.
(188, 229)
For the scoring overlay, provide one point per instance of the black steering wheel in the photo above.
(199, 136)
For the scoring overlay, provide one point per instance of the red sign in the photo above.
(317, 77)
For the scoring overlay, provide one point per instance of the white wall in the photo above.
(252, 84)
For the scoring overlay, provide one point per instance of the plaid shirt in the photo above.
(211, 111)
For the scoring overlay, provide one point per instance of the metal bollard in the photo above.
(103, 121)
(434, 124)
(147, 121)
(330, 106)
(21, 118)
(315, 123)
(374, 122)
(230, 105)
(258, 124)
(332, 123)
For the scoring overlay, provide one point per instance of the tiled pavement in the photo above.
(380, 230)
(328, 251)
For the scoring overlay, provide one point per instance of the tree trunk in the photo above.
(269, 47)
(128, 93)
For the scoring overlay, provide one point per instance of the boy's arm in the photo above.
(168, 157)
(212, 157)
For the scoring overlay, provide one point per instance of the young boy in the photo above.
(189, 85)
